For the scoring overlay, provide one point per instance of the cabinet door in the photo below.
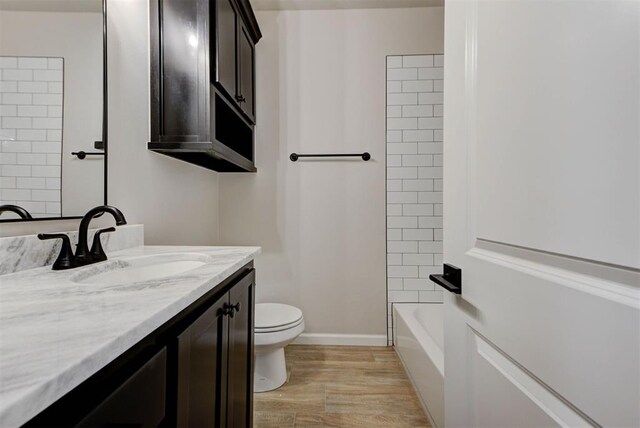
(225, 31)
(183, 60)
(202, 361)
(246, 97)
(240, 377)
(138, 402)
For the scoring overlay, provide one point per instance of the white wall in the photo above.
(321, 88)
(177, 202)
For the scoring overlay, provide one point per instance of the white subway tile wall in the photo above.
(414, 179)
(31, 106)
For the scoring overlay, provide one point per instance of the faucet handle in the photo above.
(66, 259)
(97, 252)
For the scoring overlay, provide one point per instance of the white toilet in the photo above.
(276, 325)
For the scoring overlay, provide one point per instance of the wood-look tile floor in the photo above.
(341, 386)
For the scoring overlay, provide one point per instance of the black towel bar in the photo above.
(81, 154)
(365, 156)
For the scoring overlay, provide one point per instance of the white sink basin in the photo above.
(138, 269)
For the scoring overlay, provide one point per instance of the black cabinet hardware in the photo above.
(81, 154)
(66, 259)
(365, 156)
(450, 280)
(240, 98)
(231, 309)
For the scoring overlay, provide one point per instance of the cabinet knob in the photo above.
(231, 309)
(241, 98)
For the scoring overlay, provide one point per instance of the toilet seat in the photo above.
(259, 330)
(274, 317)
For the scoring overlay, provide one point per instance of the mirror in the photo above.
(52, 108)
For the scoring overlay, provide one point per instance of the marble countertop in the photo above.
(55, 333)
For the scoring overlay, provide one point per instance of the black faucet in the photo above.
(66, 259)
(24, 214)
(83, 255)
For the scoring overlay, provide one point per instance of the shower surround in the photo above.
(414, 179)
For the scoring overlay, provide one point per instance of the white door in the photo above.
(542, 213)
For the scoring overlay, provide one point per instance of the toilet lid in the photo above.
(271, 315)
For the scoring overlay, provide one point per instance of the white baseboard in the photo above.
(341, 339)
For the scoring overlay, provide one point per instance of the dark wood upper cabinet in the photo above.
(246, 75)
(224, 44)
(202, 82)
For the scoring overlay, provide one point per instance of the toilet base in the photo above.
(270, 370)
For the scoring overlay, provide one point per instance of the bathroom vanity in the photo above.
(154, 336)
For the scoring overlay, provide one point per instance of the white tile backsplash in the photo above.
(31, 110)
(414, 177)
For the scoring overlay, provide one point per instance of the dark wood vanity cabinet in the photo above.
(139, 401)
(240, 354)
(201, 361)
(194, 371)
(203, 82)
(215, 363)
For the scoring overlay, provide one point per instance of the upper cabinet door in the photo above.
(182, 87)
(246, 66)
(226, 19)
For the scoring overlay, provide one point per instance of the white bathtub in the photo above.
(418, 335)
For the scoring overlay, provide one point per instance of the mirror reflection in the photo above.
(52, 161)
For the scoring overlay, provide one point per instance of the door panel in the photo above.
(226, 20)
(525, 401)
(556, 113)
(202, 360)
(185, 71)
(138, 402)
(246, 66)
(547, 329)
(240, 378)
